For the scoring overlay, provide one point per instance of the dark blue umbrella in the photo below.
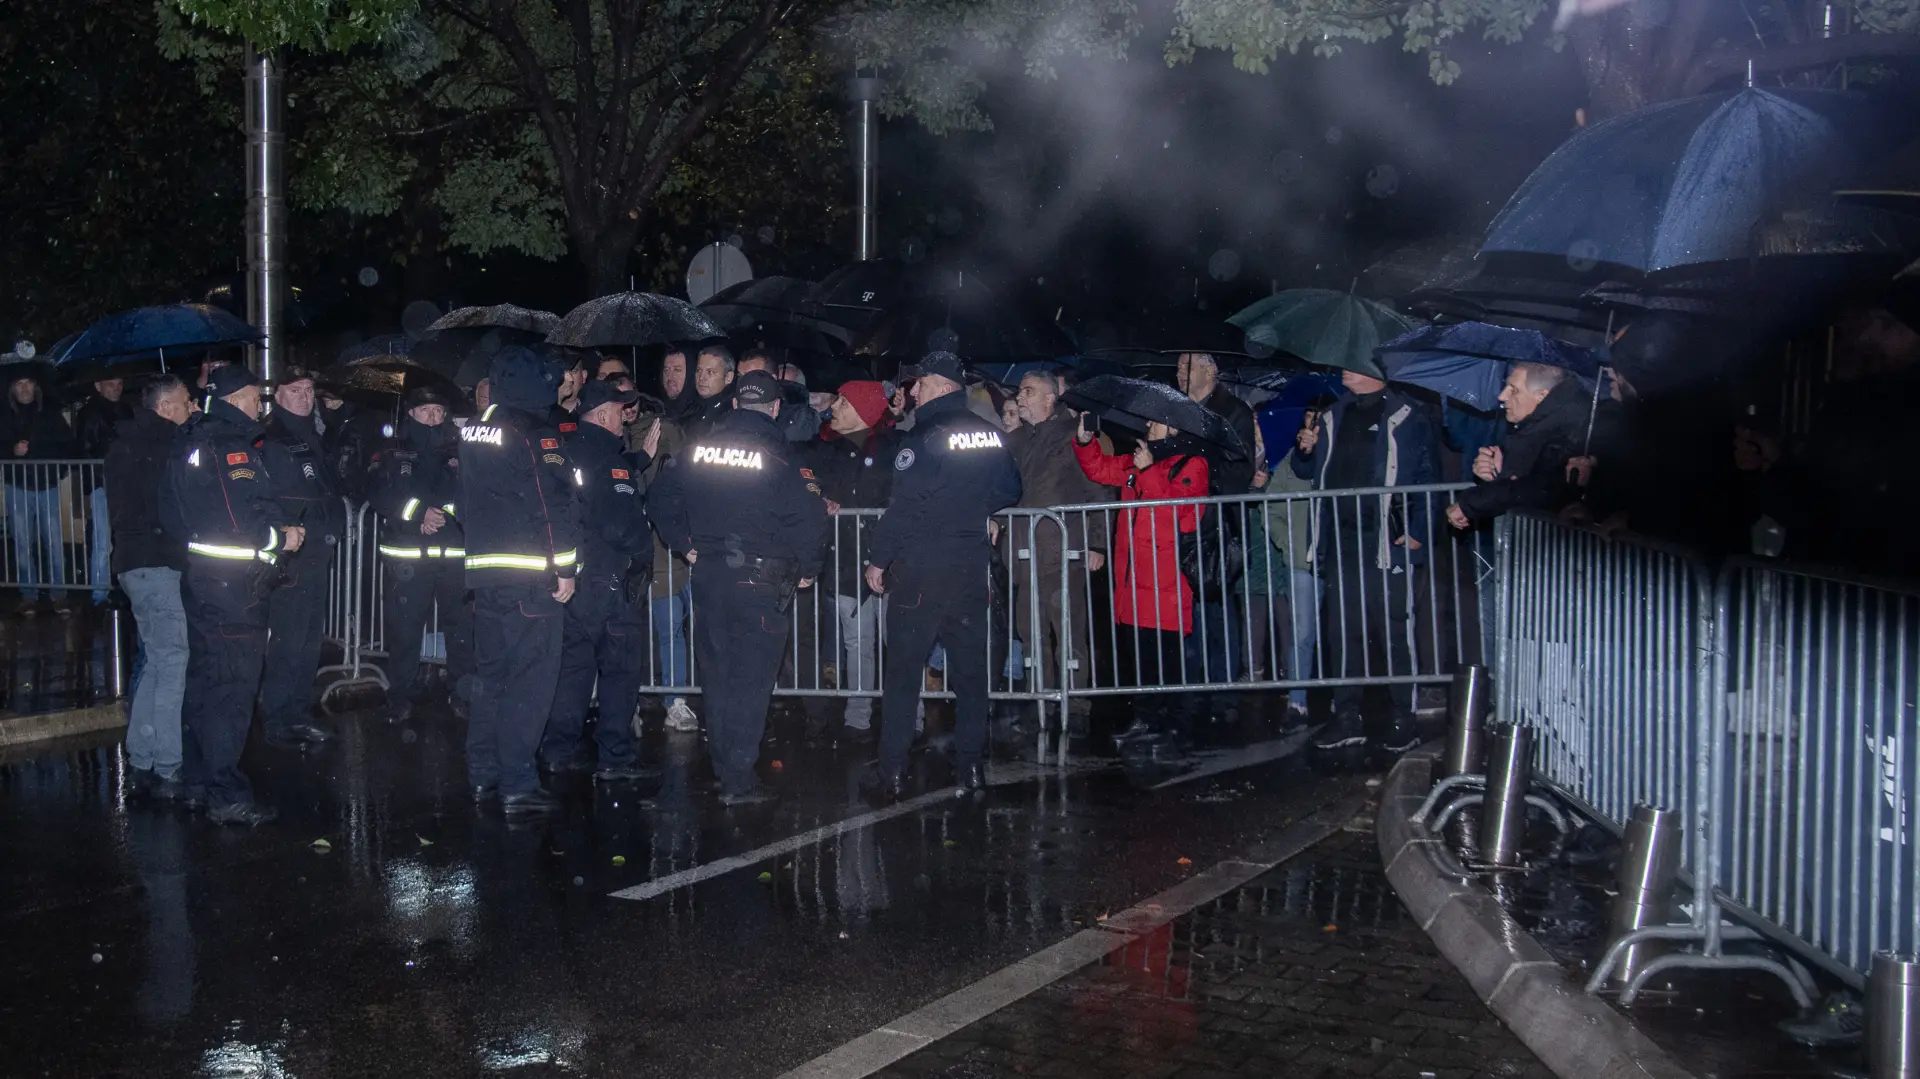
(1686, 182)
(1468, 361)
(386, 345)
(143, 338)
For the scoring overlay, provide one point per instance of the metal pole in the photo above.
(1893, 1017)
(119, 655)
(1647, 870)
(1503, 813)
(266, 219)
(1467, 718)
(866, 163)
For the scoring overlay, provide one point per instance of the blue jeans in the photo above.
(39, 555)
(1216, 640)
(100, 555)
(160, 678)
(670, 631)
(1308, 591)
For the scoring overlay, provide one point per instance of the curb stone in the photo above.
(42, 726)
(1575, 1035)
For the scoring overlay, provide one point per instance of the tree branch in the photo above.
(1682, 39)
(1721, 63)
(539, 94)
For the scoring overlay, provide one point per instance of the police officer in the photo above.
(931, 559)
(302, 479)
(522, 534)
(414, 487)
(606, 626)
(216, 498)
(745, 513)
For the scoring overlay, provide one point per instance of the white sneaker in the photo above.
(680, 717)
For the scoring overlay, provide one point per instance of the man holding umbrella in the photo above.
(1366, 549)
(1548, 411)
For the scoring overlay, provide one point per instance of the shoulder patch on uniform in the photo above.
(807, 474)
(569, 428)
(549, 443)
(236, 458)
(620, 474)
(241, 474)
(903, 460)
(555, 459)
(814, 487)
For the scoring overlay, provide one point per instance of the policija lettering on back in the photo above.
(729, 456)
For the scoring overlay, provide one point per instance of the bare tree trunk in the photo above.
(604, 254)
(1620, 58)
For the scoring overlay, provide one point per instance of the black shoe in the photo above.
(247, 813)
(532, 803)
(485, 792)
(566, 765)
(1142, 728)
(626, 773)
(195, 799)
(973, 776)
(309, 733)
(461, 710)
(399, 712)
(885, 789)
(1400, 737)
(1840, 1020)
(163, 789)
(280, 739)
(1347, 731)
(752, 796)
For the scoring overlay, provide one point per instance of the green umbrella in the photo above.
(1333, 329)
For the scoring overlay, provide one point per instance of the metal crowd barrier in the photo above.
(58, 536)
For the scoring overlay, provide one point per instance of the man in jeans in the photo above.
(148, 562)
(97, 423)
(33, 430)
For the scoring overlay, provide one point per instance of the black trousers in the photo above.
(604, 636)
(296, 615)
(413, 587)
(226, 645)
(927, 604)
(1161, 657)
(739, 638)
(517, 631)
(1367, 623)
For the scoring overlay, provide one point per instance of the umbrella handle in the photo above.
(1593, 410)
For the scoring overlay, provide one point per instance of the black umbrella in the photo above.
(384, 347)
(1134, 402)
(980, 328)
(634, 319)
(501, 316)
(856, 294)
(759, 300)
(381, 377)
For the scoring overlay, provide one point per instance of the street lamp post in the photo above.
(266, 220)
(866, 162)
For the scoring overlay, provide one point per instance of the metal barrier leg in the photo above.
(1503, 818)
(1647, 872)
(1893, 1017)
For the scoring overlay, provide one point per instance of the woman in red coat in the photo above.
(1149, 591)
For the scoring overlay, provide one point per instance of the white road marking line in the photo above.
(997, 776)
(922, 1027)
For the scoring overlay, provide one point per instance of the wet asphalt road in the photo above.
(424, 939)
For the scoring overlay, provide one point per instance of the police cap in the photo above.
(756, 388)
(231, 379)
(945, 364)
(598, 392)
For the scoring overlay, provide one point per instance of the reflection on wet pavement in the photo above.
(421, 939)
(1311, 969)
(55, 660)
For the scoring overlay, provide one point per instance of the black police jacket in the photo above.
(516, 502)
(739, 494)
(613, 519)
(951, 473)
(216, 497)
(855, 474)
(416, 470)
(302, 479)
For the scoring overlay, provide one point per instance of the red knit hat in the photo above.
(869, 399)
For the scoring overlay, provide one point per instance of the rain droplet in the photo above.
(98, 958)
(736, 241)
(1583, 255)
(913, 249)
(417, 316)
(369, 277)
(766, 234)
(409, 737)
(1383, 181)
(578, 881)
(1334, 134)
(1224, 265)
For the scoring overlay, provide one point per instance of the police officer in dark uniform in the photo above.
(931, 559)
(750, 519)
(217, 499)
(414, 487)
(302, 480)
(522, 534)
(606, 624)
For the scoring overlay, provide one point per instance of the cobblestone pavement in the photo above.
(1312, 969)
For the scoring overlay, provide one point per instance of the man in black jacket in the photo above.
(148, 563)
(414, 488)
(1548, 411)
(98, 422)
(216, 497)
(605, 634)
(300, 474)
(33, 430)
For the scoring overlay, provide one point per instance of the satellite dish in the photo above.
(715, 267)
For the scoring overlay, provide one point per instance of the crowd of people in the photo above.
(551, 526)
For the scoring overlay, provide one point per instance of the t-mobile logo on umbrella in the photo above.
(1888, 751)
